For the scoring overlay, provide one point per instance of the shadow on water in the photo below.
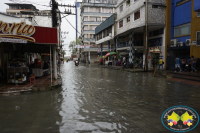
(95, 99)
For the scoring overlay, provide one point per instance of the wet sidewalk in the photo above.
(42, 84)
(127, 69)
(191, 78)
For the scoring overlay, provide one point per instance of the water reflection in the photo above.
(94, 99)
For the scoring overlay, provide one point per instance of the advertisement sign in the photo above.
(23, 33)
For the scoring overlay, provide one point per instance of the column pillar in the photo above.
(101, 50)
(109, 46)
(131, 51)
(54, 63)
(89, 57)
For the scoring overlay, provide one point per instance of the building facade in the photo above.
(182, 35)
(93, 13)
(130, 39)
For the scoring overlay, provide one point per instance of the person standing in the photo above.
(161, 63)
(193, 63)
(183, 63)
(140, 62)
(177, 64)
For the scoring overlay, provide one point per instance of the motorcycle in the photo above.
(76, 63)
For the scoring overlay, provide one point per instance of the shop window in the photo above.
(182, 30)
(128, 19)
(128, 2)
(137, 15)
(120, 23)
(121, 8)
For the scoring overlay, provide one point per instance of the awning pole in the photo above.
(50, 65)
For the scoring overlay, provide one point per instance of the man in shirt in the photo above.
(161, 63)
(177, 64)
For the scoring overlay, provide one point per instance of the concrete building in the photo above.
(183, 30)
(129, 30)
(38, 17)
(105, 35)
(93, 13)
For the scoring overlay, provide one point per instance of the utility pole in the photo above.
(146, 38)
(54, 13)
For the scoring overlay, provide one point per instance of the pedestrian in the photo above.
(193, 63)
(161, 63)
(101, 61)
(183, 63)
(140, 62)
(177, 64)
(189, 62)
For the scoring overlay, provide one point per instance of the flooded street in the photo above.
(94, 99)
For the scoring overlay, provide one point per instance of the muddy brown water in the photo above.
(94, 100)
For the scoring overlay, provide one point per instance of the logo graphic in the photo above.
(180, 118)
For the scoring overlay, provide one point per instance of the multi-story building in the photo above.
(93, 13)
(130, 29)
(37, 17)
(183, 30)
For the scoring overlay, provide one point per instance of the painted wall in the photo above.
(180, 15)
(195, 26)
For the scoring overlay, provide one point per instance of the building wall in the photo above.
(156, 15)
(44, 21)
(180, 15)
(195, 26)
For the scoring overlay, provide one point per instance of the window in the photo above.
(182, 30)
(128, 2)
(104, 18)
(85, 18)
(128, 19)
(85, 9)
(135, 0)
(120, 23)
(109, 30)
(95, 19)
(94, 9)
(85, 27)
(107, 10)
(198, 14)
(85, 35)
(92, 27)
(92, 36)
(121, 8)
(137, 15)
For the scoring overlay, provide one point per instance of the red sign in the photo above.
(21, 32)
(45, 35)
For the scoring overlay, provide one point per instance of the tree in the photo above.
(72, 45)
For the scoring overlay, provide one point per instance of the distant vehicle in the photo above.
(76, 63)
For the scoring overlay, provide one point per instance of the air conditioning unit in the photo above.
(180, 44)
(173, 42)
(198, 38)
(110, 34)
(187, 42)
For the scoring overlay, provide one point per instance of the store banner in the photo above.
(16, 32)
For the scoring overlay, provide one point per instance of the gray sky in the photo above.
(44, 5)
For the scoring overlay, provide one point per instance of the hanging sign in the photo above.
(16, 31)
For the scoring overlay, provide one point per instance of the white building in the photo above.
(93, 13)
(130, 30)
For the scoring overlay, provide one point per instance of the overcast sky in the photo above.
(44, 5)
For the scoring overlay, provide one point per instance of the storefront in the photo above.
(21, 44)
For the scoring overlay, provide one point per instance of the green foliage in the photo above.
(72, 45)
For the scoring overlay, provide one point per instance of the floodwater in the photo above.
(94, 100)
